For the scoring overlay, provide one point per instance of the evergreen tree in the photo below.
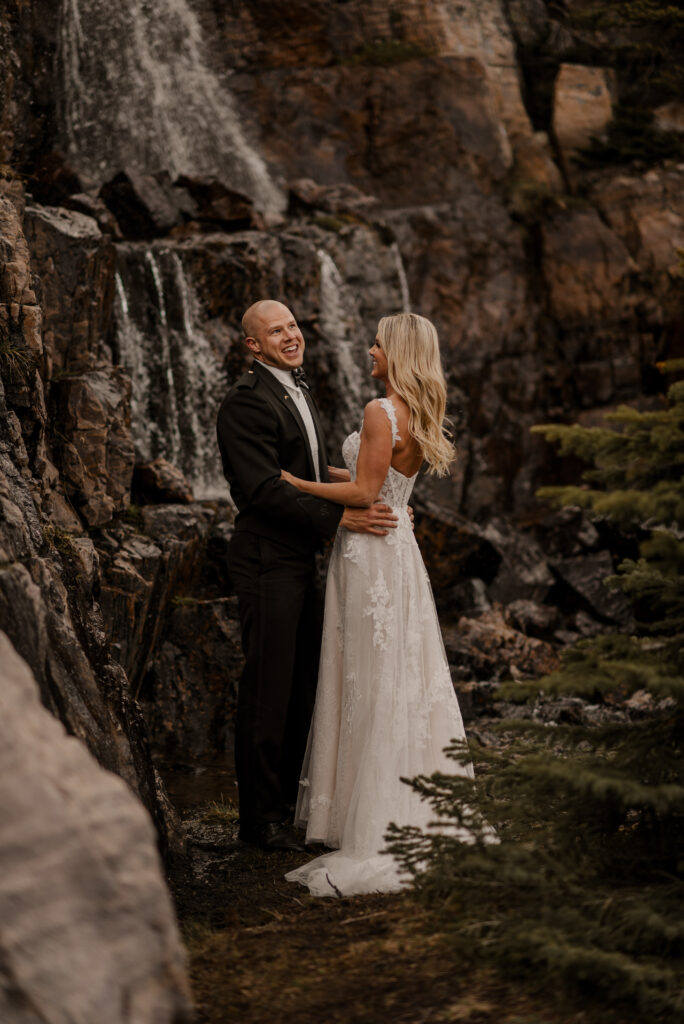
(646, 49)
(586, 886)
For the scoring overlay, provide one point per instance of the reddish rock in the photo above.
(158, 481)
(75, 266)
(582, 108)
(488, 648)
(97, 455)
(587, 269)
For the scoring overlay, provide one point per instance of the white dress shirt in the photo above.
(287, 380)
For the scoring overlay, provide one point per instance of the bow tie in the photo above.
(300, 378)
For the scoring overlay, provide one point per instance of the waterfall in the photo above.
(171, 444)
(137, 92)
(177, 378)
(130, 344)
(403, 281)
(340, 323)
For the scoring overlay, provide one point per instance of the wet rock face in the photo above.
(358, 158)
(73, 263)
(50, 570)
(429, 118)
(189, 692)
(541, 309)
(172, 626)
(98, 457)
(81, 854)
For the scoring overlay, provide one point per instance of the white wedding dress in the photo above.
(385, 704)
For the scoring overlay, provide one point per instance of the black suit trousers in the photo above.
(280, 611)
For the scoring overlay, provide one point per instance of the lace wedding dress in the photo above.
(385, 705)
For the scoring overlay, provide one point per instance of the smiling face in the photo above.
(379, 368)
(274, 337)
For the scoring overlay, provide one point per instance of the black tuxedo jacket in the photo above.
(261, 432)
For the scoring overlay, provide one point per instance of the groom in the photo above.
(268, 422)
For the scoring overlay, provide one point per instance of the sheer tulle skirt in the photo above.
(385, 709)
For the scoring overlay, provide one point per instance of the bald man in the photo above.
(267, 423)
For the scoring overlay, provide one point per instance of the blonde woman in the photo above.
(385, 704)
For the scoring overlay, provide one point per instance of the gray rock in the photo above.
(586, 575)
(88, 931)
(524, 572)
(142, 206)
(98, 455)
(531, 618)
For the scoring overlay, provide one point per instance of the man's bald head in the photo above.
(258, 311)
(272, 334)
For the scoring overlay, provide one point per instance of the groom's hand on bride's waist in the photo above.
(377, 519)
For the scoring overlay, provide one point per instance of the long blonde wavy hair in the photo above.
(414, 370)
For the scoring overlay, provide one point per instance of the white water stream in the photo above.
(138, 92)
(177, 379)
(403, 280)
(340, 321)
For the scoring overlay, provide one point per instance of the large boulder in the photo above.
(88, 931)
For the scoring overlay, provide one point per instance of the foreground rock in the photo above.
(88, 932)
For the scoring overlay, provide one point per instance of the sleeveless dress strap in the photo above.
(392, 416)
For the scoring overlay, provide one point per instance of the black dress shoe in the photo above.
(273, 835)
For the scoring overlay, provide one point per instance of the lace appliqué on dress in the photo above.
(380, 610)
(385, 704)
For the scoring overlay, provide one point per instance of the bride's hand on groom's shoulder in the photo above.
(377, 519)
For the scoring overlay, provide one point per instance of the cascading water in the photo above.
(340, 322)
(137, 92)
(403, 280)
(177, 378)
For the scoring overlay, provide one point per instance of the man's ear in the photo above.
(253, 346)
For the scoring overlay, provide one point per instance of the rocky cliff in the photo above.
(163, 168)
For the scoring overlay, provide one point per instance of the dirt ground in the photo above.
(263, 950)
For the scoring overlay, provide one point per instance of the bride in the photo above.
(385, 704)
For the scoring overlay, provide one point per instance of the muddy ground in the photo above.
(263, 950)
